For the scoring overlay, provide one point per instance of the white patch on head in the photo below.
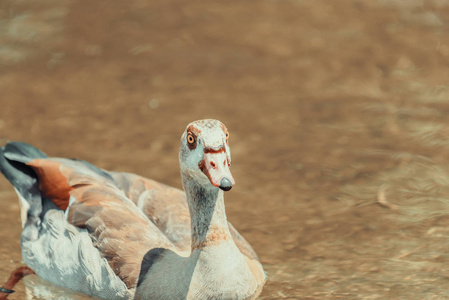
(210, 135)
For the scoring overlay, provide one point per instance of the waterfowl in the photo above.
(122, 236)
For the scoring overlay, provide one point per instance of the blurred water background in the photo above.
(338, 114)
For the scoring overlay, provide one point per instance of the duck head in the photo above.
(205, 156)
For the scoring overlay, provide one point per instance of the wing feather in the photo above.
(118, 229)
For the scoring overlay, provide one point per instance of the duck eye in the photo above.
(227, 136)
(190, 139)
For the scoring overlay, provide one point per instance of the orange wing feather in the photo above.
(52, 182)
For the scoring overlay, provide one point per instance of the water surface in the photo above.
(337, 114)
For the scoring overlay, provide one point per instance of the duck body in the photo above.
(121, 236)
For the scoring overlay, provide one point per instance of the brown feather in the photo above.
(119, 230)
(52, 182)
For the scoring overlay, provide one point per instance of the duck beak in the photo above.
(215, 166)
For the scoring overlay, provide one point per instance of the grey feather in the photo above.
(64, 255)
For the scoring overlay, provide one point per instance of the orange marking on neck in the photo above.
(215, 236)
(52, 183)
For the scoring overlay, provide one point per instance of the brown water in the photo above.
(338, 114)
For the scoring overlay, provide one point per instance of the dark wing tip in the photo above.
(22, 152)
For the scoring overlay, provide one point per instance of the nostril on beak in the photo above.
(225, 184)
(212, 164)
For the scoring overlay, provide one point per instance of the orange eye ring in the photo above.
(227, 136)
(190, 139)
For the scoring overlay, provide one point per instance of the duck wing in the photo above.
(165, 206)
(92, 200)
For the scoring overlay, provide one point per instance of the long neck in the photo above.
(209, 225)
(215, 268)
